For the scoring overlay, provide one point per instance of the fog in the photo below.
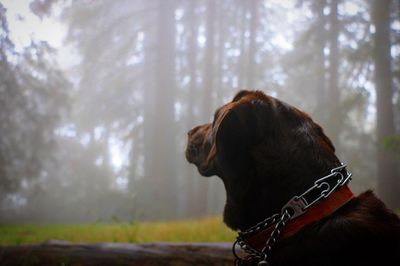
(96, 97)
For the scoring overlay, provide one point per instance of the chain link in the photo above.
(260, 226)
(255, 255)
(266, 251)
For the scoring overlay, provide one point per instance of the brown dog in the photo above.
(266, 152)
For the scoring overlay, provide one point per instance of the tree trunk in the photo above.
(160, 161)
(139, 186)
(320, 70)
(116, 254)
(388, 175)
(242, 26)
(334, 93)
(251, 69)
(220, 56)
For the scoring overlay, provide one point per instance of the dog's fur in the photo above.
(266, 151)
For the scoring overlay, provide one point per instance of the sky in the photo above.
(24, 26)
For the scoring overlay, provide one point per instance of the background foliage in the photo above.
(105, 137)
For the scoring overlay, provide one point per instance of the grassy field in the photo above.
(203, 230)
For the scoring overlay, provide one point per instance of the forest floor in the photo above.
(201, 230)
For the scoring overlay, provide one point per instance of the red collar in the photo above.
(320, 210)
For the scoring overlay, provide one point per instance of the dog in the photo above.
(270, 157)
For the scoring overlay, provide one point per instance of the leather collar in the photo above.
(315, 213)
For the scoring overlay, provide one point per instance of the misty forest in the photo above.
(94, 128)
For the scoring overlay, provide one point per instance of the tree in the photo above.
(160, 173)
(251, 70)
(388, 176)
(334, 92)
(33, 100)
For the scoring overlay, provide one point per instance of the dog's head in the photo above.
(264, 150)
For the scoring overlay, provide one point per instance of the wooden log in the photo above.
(63, 253)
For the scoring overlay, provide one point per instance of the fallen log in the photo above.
(63, 253)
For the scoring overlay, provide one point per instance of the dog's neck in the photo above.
(257, 197)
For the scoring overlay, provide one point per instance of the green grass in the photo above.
(202, 230)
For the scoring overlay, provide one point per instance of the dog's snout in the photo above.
(198, 145)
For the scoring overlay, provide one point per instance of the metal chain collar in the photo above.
(295, 207)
